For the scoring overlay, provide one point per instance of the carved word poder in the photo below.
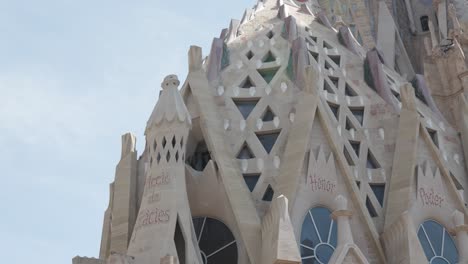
(430, 197)
(321, 184)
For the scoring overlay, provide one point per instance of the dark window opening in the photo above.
(249, 55)
(268, 115)
(179, 243)
(424, 23)
(270, 34)
(269, 57)
(268, 74)
(349, 91)
(327, 87)
(433, 135)
(314, 55)
(246, 106)
(356, 146)
(371, 162)
(200, 157)
(336, 59)
(245, 153)
(268, 140)
(251, 180)
(247, 83)
(379, 191)
(358, 114)
(358, 183)
(268, 196)
(348, 157)
(370, 208)
(335, 109)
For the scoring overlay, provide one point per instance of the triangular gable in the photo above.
(328, 175)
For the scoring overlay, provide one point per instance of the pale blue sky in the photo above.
(74, 76)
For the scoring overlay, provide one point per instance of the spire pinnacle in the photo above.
(170, 106)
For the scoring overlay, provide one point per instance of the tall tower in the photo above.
(307, 135)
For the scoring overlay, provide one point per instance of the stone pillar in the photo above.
(461, 230)
(342, 216)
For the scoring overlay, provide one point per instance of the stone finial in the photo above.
(458, 218)
(408, 98)
(195, 58)
(170, 106)
(341, 203)
(311, 79)
(171, 81)
(128, 144)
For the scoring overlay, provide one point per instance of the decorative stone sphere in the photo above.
(170, 81)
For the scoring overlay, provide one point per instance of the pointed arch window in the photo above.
(437, 243)
(318, 236)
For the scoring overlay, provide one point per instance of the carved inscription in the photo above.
(157, 181)
(321, 184)
(430, 197)
(152, 217)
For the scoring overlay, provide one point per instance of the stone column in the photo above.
(461, 230)
(342, 215)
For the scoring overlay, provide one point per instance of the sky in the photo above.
(74, 76)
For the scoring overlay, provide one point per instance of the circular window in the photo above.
(216, 242)
(437, 243)
(318, 236)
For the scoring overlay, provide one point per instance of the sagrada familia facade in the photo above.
(315, 131)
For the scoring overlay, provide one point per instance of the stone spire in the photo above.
(170, 106)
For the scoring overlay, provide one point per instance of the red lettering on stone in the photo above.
(321, 184)
(430, 197)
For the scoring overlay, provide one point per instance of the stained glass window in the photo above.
(437, 243)
(216, 242)
(318, 236)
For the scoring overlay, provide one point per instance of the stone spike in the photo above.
(375, 77)
(311, 80)
(246, 17)
(323, 19)
(408, 98)
(283, 12)
(224, 33)
(214, 60)
(195, 58)
(233, 27)
(291, 28)
(300, 61)
(347, 39)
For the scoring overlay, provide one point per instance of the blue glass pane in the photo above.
(379, 191)
(308, 235)
(310, 261)
(434, 231)
(251, 181)
(450, 250)
(334, 235)
(246, 107)
(268, 140)
(268, 116)
(324, 253)
(306, 252)
(439, 260)
(322, 221)
(425, 244)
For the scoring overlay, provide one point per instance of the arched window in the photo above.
(216, 242)
(437, 243)
(318, 236)
(424, 23)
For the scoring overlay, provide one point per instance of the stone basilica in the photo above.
(315, 131)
